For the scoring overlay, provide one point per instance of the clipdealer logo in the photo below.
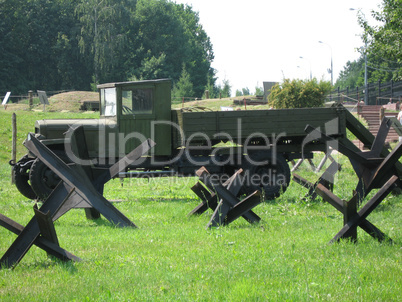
(111, 145)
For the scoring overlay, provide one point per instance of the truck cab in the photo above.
(141, 110)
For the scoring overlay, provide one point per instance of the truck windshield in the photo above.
(108, 102)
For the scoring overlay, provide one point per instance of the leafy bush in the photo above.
(299, 94)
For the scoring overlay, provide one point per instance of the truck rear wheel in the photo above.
(271, 178)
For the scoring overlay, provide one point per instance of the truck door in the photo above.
(145, 107)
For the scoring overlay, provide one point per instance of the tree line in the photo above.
(76, 44)
(381, 55)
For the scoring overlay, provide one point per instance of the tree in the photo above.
(299, 94)
(156, 39)
(103, 32)
(238, 93)
(184, 87)
(352, 75)
(199, 53)
(212, 89)
(13, 32)
(225, 91)
(384, 42)
(165, 30)
(259, 91)
(34, 54)
(74, 44)
(151, 68)
(74, 69)
(246, 91)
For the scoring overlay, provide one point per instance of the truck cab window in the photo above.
(108, 102)
(137, 101)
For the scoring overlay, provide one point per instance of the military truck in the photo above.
(261, 142)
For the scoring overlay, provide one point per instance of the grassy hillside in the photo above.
(172, 257)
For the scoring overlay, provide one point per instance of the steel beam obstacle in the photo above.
(80, 187)
(222, 199)
(375, 169)
(327, 180)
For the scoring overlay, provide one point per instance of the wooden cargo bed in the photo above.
(239, 126)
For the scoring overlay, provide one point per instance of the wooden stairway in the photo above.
(372, 114)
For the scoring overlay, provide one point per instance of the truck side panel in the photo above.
(240, 125)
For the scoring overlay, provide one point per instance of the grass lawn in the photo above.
(172, 257)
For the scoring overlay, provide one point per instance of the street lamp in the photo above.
(309, 64)
(332, 69)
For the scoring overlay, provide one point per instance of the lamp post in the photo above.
(365, 75)
(332, 69)
(309, 64)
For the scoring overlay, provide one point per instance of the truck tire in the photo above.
(270, 179)
(43, 179)
(21, 177)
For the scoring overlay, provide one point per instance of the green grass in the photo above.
(171, 257)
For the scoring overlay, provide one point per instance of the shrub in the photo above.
(299, 94)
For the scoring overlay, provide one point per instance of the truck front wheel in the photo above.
(43, 179)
